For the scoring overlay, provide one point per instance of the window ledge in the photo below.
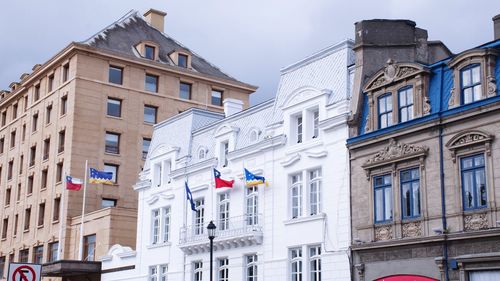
(112, 154)
(6, 206)
(26, 230)
(29, 195)
(149, 124)
(304, 145)
(39, 226)
(114, 117)
(54, 222)
(4, 239)
(159, 245)
(320, 216)
(43, 189)
(62, 115)
(48, 124)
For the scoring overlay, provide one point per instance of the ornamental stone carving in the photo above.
(492, 87)
(468, 138)
(427, 106)
(392, 71)
(475, 222)
(383, 233)
(412, 229)
(394, 152)
(451, 102)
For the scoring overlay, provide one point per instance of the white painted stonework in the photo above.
(265, 140)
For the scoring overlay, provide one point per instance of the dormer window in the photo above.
(182, 60)
(254, 136)
(149, 52)
(385, 111)
(471, 83)
(405, 104)
(224, 152)
(202, 154)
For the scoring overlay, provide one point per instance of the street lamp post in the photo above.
(211, 235)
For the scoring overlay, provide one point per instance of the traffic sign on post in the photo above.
(24, 272)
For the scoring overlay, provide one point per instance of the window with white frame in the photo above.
(295, 261)
(153, 273)
(254, 135)
(252, 205)
(224, 150)
(315, 263)
(160, 225)
(158, 272)
(296, 195)
(223, 269)
(198, 271)
(382, 187)
(315, 116)
(158, 174)
(202, 153)
(251, 268)
(223, 211)
(315, 191)
(199, 216)
(300, 128)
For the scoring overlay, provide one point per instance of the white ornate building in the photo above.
(297, 225)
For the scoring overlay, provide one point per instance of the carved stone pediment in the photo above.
(395, 152)
(468, 138)
(392, 72)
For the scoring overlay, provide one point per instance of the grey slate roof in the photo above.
(122, 35)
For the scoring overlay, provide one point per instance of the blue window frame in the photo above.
(382, 187)
(470, 83)
(385, 111)
(473, 182)
(410, 193)
(405, 104)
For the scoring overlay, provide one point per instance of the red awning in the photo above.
(406, 278)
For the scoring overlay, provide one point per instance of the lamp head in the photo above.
(211, 230)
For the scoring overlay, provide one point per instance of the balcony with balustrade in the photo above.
(232, 232)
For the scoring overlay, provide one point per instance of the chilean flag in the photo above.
(73, 183)
(219, 183)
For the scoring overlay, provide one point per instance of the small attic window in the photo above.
(149, 52)
(182, 60)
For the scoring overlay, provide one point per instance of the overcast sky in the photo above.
(250, 40)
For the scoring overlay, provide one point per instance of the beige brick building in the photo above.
(95, 100)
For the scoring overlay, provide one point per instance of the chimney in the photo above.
(496, 26)
(156, 19)
(232, 106)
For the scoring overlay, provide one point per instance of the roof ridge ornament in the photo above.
(395, 152)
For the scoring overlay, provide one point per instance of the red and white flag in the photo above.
(73, 183)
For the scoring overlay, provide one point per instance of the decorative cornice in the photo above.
(142, 184)
(468, 138)
(395, 152)
(290, 160)
(316, 154)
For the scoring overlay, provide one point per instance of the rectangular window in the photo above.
(12, 139)
(315, 116)
(19, 191)
(62, 138)
(56, 209)
(89, 243)
(405, 104)
(50, 86)
(471, 83)
(41, 214)
(185, 91)
(251, 268)
(2, 143)
(315, 263)
(26, 103)
(473, 182)
(252, 200)
(65, 72)
(4, 118)
(115, 75)
(14, 111)
(166, 224)
(5, 228)
(29, 188)
(16, 223)
(27, 219)
(46, 149)
(224, 153)
(2, 266)
(300, 130)
(64, 105)
(150, 114)
(296, 195)
(34, 123)
(182, 60)
(111, 168)
(410, 193)
(32, 155)
(382, 186)
(10, 169)
(8, 194)
(48, 114)
(149, 52)
(223, 207)
(160, 225)
(146, 142)
(23, 136)
(296, 264)
(198, 271)
(21, 164)
(315, 192)
(199, 216)
(36, 94)
(38, 254)
(151, 83)
(53, 252)
(153, 273)
(223, 269)
(385, 111)
(112, 143)
(107, 202)
(155, 226)
(59, 171)
(158, 272)
(114, 107)
(217, 97)
(43, 183)
(23, 255)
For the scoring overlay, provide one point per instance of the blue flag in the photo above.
(100, 177)
(189, 197)
(253, 180)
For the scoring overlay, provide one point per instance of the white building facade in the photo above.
(295, 227)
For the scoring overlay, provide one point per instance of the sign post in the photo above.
(24, 272)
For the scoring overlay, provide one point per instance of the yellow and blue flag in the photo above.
(253, 180)
(100, 177)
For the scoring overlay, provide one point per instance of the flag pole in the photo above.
(61, 218)
(80, 252)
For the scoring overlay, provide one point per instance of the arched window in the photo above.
(202, 153)
(254, 135)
